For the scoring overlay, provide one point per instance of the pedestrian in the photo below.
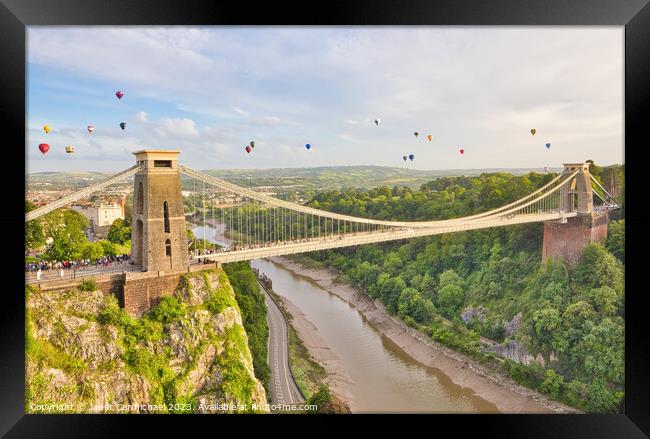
(61, 273)
(38, 274)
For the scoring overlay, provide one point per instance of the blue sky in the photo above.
(208, 91)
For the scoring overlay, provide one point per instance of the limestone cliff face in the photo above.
(189, 354)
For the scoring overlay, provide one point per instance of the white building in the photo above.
(101, 215)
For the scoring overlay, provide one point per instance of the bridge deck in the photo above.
(348, 240)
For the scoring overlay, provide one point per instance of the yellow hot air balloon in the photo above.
(69, 149)
(533, 131)
(47, 128)
(429, 137)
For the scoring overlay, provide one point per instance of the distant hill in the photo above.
(346, 176)
(324, 177)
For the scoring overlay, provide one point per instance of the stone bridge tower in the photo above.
(158, 237)
(567, 239)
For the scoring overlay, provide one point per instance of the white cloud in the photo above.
(141, 117)
(176, 129)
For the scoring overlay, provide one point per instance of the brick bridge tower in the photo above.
(158, 237)
(568, 238)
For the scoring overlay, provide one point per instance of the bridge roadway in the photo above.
(352, 239)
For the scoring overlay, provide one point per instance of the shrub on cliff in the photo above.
(88, 285)
(170, 309)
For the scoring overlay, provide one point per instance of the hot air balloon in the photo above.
(533, 131)
(377, 122)
(252, 144)
(411, 157)
(91, 128)
(548, 145)
(416, 134)
(248, 149)
(47, 129)
(69, 149)
(308, 146)
(123, 125)
(119, 94)
(429, 137)
(404, 158)
(462, 151)
(44, 148)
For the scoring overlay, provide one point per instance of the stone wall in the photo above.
(137, 293)
(567, 241)
(140, 295)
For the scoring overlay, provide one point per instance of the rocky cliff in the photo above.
(189, 354)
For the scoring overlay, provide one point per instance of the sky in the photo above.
(209, 91)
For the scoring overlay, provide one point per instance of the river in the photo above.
(383, 377)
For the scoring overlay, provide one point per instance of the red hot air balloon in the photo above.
(248, 149)
(44, 148)
(462, 151)
(119, 94)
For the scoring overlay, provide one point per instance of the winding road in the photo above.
(283, 388)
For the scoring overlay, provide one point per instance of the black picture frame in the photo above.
(15, 15)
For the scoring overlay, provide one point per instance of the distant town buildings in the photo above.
(101, 215)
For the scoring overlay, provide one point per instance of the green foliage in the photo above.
(66, 227)
(529, 375)
(320, 398)
(111, 313)
(237, 383)
(119, 232)
(253, 310)
(169, 309)
(552, 383)
(411, 304)
(599, 268)
(34, 235)
(93, 251)
(450, 299)
(88, 285)
(615, 242)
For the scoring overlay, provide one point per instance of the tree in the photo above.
(390, 292)
(599, 354)
(604, 299)
(64, 246)
(552, 384)
(411, 303)
(93, 251)
(545, 325)
(34, 236)
(599, 268)
(449, 277)
(450, 299)
(615, 242)
(69, 238)
(119, 232)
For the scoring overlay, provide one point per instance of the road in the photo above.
(282, 386)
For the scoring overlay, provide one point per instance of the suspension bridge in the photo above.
(260, 225)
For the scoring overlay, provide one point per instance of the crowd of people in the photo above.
(82, 264)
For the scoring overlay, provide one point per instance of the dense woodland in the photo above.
(460, 286)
